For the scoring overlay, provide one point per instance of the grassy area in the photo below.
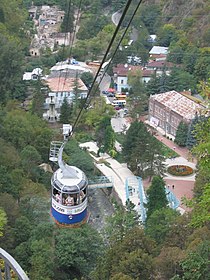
(168, 153)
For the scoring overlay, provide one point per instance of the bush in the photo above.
(180, 170)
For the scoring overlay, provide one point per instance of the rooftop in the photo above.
(178, 103)
(122, 70)
(63, 84)
(160, 64)
(158, 50)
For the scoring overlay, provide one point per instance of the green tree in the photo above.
(42, 260)
(196, 265)
(30, 159)
(123, 220)
(38, 99)
(79, 158)
(191, 139)
(105, 135)
(22, 230)
(156, 196)
(66, 112)
(137, 99)
(6, 200)
(22, 128)
(189, 59)
(3, 220)
(68, 22)
(76, 250)
(130, 256)
(181, 134)
(167, 262)
(201, 211)
(159, 223)
(167, 34)
(11, 59)
(142, 160)
(202, 67)
(150, 15)
(87, 78)
(91, 25)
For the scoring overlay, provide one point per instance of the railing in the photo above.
(11, 268)
(135, 193)
(100, 182)
(172, 200)
(54, 150)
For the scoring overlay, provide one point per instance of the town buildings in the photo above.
(168, 109)
(47, 21)
(121, 73)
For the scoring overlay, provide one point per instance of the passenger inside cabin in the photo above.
(58, 197)
(69, 201)
(82, 196)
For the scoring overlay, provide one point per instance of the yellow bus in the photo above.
(121, 96)
(119, 103)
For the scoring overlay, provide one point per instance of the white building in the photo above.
(32, 76)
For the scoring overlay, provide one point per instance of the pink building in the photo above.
(168, 109)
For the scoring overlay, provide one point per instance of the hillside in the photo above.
(191, 16)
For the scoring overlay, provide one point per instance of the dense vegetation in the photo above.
(170, 246)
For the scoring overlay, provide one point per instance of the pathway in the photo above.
(119, 172)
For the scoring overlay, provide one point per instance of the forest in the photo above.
(169, 245)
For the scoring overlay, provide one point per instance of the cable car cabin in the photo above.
(69, 196)
(119, 103)
(120, 96)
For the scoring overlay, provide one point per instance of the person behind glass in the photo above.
(58, 197)
(69, 201)
(82, 195)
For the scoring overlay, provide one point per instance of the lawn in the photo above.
(169, 153)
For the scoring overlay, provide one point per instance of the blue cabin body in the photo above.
(69, 197)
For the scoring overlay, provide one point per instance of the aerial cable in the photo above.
(68, 4)
(73, 37)
(75, 26)
(117, 47)
(104, 59)
(119, 43)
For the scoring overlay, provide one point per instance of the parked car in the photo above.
(110, 94)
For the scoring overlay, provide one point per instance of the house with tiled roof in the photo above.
(159, 66)
(65, 87)
(168, 109)
(121, 72)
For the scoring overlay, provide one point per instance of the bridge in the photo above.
(134, 192)
(100, 182)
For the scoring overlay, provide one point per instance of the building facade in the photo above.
(167, 110)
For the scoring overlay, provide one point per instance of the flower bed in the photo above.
(180, 170)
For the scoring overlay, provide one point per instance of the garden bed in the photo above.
(180, 170)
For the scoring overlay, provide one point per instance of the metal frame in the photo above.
(10, 263)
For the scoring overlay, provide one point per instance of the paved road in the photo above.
(116, 18)
(105, 82)
(119, 124)
(134, 32)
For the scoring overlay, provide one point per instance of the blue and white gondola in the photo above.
(69, 194)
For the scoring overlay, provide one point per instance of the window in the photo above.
(122, 82)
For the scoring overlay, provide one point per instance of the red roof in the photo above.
(122, 70)
(160, 64)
